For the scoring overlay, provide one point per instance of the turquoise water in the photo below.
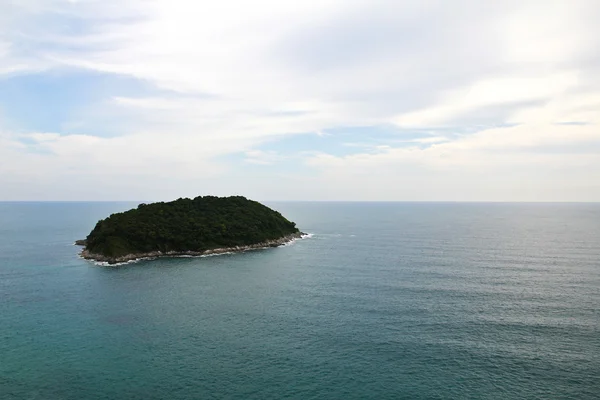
(384, 301)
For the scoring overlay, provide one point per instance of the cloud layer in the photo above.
(328, 100)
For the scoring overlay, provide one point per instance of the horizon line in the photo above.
(322, 201)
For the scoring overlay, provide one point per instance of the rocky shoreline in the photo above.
(155, 254)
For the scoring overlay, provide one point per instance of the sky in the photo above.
(374, 100)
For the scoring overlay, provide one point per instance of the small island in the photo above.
(187, 227)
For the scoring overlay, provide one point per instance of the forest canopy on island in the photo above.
(197, 224)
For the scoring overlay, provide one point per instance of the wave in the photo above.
(304, 236)
(107, 264)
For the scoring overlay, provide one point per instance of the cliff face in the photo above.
(187, 227)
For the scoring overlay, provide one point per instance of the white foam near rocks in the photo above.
(132, 258)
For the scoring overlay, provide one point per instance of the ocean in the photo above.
(382, 301)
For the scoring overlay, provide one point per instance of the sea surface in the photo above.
(383, 301)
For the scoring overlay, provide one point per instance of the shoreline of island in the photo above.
(85, 254)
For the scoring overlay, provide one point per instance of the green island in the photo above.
(187, 227)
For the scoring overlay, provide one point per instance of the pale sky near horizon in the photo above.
(458, 100)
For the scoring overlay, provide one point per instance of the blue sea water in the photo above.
(384, 301)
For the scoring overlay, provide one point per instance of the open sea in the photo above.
(383, 301)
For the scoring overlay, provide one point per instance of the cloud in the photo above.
(490, 92)
(469, 86)
(263, 157)
(558, 162)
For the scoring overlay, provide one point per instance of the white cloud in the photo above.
(263, 157)
(491, 149)
(518, 163)
(235, 74)
(491, 92)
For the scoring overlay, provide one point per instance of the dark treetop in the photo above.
(197, 225)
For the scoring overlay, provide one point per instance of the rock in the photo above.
(156, 254)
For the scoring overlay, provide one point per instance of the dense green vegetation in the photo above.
(196, 224)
